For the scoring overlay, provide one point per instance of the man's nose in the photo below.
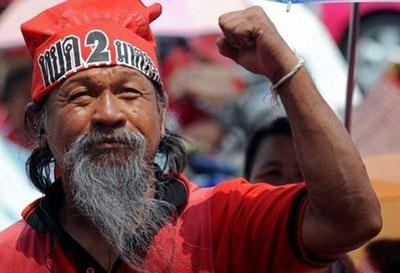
(109, 112)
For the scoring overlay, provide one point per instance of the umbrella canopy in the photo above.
(192, 17)
(180, 17)
(17, 13)
(299, 28)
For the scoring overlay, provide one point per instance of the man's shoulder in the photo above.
(11, 240)
(10, 237)
(235, 193)
(196, 192)
(239, 186)
(242, 186)
(235, 184)
(22, 249)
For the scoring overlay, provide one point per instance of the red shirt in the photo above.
(232, 227)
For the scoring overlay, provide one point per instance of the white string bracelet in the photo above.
(274, 87)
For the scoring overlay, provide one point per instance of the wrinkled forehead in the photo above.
(109, 76)
(277, 148)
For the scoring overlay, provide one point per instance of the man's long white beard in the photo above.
(113, 193)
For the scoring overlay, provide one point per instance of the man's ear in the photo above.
(162, 106)
(34, 120)
(163, 120)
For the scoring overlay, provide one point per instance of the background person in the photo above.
(271, 155)
(14, 96)
(383, 256)
(271, 158)
(16, 191)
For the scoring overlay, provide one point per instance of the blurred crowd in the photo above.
(217, 107)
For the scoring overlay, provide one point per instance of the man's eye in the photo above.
(78, 95)
(273, 173)
(131, 90)
(267, 175)
(129, 93)
(270, 174)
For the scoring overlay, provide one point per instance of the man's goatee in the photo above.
(115, 194)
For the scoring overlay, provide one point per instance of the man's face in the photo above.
(103, 100)
(275, 162)
(103, 127)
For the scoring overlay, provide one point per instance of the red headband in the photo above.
(77, 35)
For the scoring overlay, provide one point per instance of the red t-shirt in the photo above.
(232, 227)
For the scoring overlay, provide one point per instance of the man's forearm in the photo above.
(343, 210)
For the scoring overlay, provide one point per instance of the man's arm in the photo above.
(343, 211)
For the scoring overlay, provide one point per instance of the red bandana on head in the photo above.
(77, 35)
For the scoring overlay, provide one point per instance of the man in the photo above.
(14, 96)
(382, 256)
(271, 155)
(102, 122)
(271, 158)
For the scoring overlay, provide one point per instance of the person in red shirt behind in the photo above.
(382, 256)
(271, 158)
(271, 155)
(14, 96)
(97, 111)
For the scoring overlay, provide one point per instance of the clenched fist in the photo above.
(251, 40)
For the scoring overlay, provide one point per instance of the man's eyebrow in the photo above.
(82, 79)
(272, 162)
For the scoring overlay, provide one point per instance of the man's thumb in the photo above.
(226, 49)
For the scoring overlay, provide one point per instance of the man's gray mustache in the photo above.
(131, 139)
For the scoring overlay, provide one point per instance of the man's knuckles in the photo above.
(255, 12)
(244, 20)
(228, 18)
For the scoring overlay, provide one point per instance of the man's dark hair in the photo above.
(280, 126)
(39, 165)
(386, 255)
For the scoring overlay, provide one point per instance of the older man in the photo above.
(98, 112)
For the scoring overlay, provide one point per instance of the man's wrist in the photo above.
(288, 76)
(285, 65)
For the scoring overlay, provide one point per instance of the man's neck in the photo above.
(83, 231)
